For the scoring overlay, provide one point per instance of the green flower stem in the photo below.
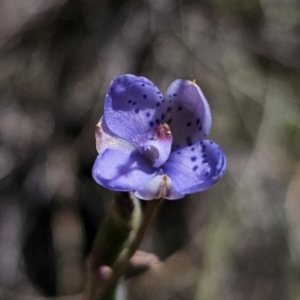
(123, 262)
(116, 242)
(115, 232)
(148, 218)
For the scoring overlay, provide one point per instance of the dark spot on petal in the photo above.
(178, 152)
(200, 128)
(137, 110)
(129, 101)
(193, 149)
(195, 168)
(174, 95)
(145, 96)
(179, 108)
(169, 109)
(134, 103)
(157, 121)
(157, 104)
(160, 97)
(206, 174)
(151, 123)
(162, 116)
(169, 121)
(193, 158)
(204, 161)
(143, 84)
(211, 142)
(163, 101)
(189, 141)
(148, 115)
(198, 121)
(158, 92)
(188, 124)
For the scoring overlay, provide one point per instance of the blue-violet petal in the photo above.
(133, 106)
(188, 113)
(122, 170)
(195, 168)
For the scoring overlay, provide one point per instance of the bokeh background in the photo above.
(236, 241)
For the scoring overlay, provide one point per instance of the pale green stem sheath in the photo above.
(116, 250)
(122, 219)
(123, 261)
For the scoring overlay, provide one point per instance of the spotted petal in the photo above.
(133, 106)
(195, 168)
(122, 170)
(187, 113)
(159, 186)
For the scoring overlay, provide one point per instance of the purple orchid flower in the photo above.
(155, 145)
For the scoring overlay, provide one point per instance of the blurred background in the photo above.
(239, 240)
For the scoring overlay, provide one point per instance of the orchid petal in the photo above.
(159, 186)
(156, 145)
(122, 170)
(106, 139)
(133, 106)
(195, 168)
(187, 113)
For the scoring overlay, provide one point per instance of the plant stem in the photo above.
(148, 217)
(113, 234)
(123, 218)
